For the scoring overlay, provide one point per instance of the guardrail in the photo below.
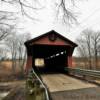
(46, 90)
(83, 72)
(35, 76)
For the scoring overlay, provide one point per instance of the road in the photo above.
(63, 87)
(61, 82)
(91, 93)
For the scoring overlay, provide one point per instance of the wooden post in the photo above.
(70, 57)
(69, 61)
(29, 63)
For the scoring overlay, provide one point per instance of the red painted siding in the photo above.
(45, 40)
(29, 63)
(69, 61)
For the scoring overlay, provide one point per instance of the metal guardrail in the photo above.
(83, 72)
(41, 82)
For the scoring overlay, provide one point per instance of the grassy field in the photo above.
(84, 63)
(6, 73)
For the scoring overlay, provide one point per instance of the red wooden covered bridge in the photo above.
(50, 51)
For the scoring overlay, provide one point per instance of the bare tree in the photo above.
(6, 24)
(96, 43)
(68, 15)
(22, 50)
(4, 32)
(89, 43)
(63, 8)
(3, 53)
(87, 35)
(15, 43)
(82, 52)
(12, 45)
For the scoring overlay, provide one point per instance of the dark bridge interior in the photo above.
(54, 57)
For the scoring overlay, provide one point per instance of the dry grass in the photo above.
(6, 71)
(83, 63)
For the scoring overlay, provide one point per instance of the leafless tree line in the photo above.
(12, 43)
(15, 45)
(89, 48)
(14, 50)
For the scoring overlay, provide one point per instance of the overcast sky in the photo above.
(88, 12)
(88, 16)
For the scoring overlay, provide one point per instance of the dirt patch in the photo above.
(8, 86)
(18, 93)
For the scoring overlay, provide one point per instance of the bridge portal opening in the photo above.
(50, 58)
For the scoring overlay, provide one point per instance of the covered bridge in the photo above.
(50, 52)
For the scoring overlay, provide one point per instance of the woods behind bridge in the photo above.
(12, 55)
(89, 49)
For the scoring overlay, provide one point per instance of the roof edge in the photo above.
(58, 34)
